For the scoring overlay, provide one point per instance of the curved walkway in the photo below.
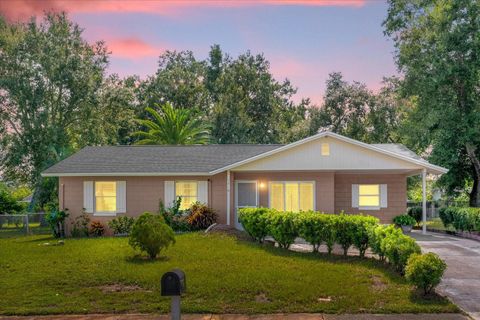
(461, 282)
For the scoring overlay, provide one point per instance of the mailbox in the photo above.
(173, 283)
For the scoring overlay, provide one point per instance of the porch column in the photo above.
(228, 197)
(424, 201)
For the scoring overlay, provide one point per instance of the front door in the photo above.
(246, 196)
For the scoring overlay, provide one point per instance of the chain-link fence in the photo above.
(12, 225)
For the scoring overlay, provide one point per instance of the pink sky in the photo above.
(304, 40)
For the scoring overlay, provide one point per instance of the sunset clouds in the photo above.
(24, 9)
(304, 40)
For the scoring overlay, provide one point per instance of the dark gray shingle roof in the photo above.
(399, 149)
(156, 159)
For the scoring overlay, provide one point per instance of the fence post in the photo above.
(28, 227)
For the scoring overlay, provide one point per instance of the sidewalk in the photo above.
(291, 316)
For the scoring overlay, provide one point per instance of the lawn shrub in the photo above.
(404, 220)
(200, 216)
(282, 227)
(376, 235)
(415, 213)
(344, 231)
(97, 229)
(398, 248)
(461, 218)
(174, 217)
(80, 225)
(362, 225)
(56, 220)
(254, 222)
(311, 226)
(121, 225)
(425, 271)
(151, 234)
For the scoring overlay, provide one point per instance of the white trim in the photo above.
(293, 181)
(368, 208)
(104, 214)
(339, 137)
(127, 174)
(236, 199)
(228, 198)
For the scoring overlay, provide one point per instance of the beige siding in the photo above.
(396, 189)
(343, 156)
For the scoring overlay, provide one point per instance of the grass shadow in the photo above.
(142, 259)
(418, 297)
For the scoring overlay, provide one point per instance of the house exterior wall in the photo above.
(396, 194)
(333, 192)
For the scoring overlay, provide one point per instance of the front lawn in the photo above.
(224, 275)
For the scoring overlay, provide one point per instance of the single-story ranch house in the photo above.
(325, 172)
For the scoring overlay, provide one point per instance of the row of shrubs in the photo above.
(461, 218)
(362, 232)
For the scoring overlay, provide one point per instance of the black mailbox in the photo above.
(173, 283)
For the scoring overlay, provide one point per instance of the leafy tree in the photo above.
(8, 203)
(437, 47)
(50, 78)
(173, 126)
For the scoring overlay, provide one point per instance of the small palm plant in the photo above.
(172, 126)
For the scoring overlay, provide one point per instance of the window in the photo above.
(291, 196)
(187, 190)
(369, 195)
(105, 196)
(325, 149)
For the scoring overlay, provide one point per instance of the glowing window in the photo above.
(105, 196)
(369, 195)
(187, 190)
(325, 149)
(291, 196)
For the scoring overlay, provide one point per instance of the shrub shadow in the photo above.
(141, 259)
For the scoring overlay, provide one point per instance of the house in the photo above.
(325, 172)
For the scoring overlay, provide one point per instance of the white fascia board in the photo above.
(436, 169)
(127, 174)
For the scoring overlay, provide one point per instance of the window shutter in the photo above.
(121, 196)
(354, 195)
(383, 196)
(202, 193)
(169, 193)
(88, 196)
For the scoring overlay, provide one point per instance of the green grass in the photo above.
(224, 275)
(437, 224)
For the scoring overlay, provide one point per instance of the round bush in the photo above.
(404, 220)
(151, 234)
(425, 271)
(398, 249)
(281, 226)
(376, 234)
(254, 222)
(345, 231)
(361, 235)
(312, 227)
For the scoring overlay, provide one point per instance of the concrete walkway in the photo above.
(461, 282)
(290, 316)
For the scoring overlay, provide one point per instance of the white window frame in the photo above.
(103, 213)
(379, 196)
(284, 189)
(188, 181)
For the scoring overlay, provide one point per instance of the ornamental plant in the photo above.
(376, 234)
(282, 227)
(404, 220)
(311, 227)
(121, 225)
(56, 220)
(361, 235)
(425, 271)
(415, 213)
(97, 229)
(151, 234)
(398, 249)
(200, 216)
(254, 222)
(345, 231)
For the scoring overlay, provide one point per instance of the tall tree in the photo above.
(172, 126)
(50, 77)
(437, 50)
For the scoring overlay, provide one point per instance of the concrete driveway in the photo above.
(461, 282)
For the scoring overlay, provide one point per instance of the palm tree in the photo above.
(172, 126)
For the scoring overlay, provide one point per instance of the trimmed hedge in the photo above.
(462, 219)
(425, 271)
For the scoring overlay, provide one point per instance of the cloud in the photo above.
(24, 9)
(133, 48)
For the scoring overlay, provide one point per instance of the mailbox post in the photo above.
(173, 285)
